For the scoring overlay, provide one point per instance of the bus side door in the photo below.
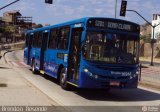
(43, 48)
(74, 55)
(30, 39)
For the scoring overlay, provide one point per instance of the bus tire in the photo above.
(34, 71)
(63, 80)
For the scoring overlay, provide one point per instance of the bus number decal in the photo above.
(121, 73)
(99, 23)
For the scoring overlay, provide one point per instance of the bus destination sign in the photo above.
(113, 24)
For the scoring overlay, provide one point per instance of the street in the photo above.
(32, 90)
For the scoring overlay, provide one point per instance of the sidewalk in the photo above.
(150, 76)
(16, 91)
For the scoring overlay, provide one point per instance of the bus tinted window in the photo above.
(53, 39)
(37, 41)
(27, 40)
(111, 48)
(63, 38)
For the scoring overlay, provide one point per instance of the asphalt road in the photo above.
(79, 100)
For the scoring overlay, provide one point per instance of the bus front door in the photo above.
(74, 55)
(43, 49)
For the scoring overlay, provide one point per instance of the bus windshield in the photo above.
(111, 48)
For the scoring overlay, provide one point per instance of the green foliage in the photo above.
(142, 37)
(39, 26)
(146, 39)
(10, 29)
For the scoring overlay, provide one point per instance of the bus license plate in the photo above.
(114, 83)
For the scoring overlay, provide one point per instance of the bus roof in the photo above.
(81, 20)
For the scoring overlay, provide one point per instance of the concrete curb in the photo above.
(149, 85)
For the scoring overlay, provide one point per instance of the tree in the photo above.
(38, 26)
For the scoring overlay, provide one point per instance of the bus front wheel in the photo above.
(63, 80)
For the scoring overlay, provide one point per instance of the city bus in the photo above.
(90, 52)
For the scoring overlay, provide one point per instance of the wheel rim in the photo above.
(63, 78)
(33, 67)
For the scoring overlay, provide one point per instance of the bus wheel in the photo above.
(34, 71)
(63, 80)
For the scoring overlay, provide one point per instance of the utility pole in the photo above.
(115, 9)
(9, 4)
(152, 44)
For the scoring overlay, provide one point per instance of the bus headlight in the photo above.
(86, 70)
(90, 74)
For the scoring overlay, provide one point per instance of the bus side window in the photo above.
(27, 40)
(37, 41)
(31, 40)
(63, 38)
(53, 39)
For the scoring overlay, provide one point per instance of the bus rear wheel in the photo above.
(34, 71)
(63, 80)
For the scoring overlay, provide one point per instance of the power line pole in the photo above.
(9, 4)
(115, 9)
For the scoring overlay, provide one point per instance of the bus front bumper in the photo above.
(93, 81)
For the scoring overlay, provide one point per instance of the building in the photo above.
(15, 18)
(156, 21)
(15, 25)
(10, 17)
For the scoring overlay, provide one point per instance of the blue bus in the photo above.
(86, 53)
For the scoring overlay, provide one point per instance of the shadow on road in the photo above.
(119, 95)
(112, 95)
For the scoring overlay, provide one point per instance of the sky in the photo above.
(65, 10)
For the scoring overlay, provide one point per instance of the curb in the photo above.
(149, 85)
(7, 51)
